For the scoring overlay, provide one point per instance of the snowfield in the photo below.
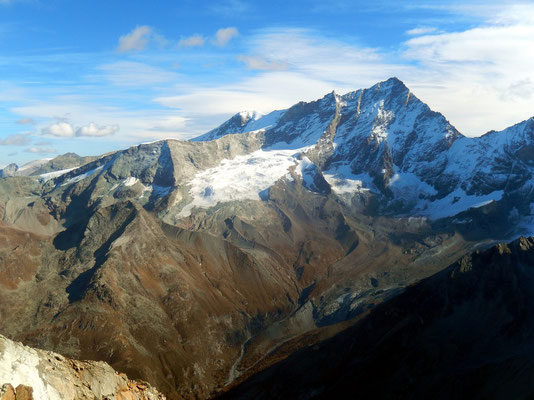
(241, 178)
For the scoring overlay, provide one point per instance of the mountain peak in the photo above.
(9, 170)
(394, 81)
(392, 85)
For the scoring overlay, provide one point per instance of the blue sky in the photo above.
(95, 76)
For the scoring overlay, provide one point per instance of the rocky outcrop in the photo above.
(32, 374)
(22, 392)
(9, 170)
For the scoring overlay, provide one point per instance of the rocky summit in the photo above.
(194, 264)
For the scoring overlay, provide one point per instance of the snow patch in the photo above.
(52, 175)
(456, 202)
(343, 181)
(408, 186)
(307, 170)
(241, 178)
(81, 176)
(34, 164)
(130, 181)
(261, 121)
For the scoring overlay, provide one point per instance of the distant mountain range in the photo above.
(46, 165)
(194, 264)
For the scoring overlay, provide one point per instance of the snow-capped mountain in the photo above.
(245, 121)
(384, 140)
(211, 253)
(379, 143)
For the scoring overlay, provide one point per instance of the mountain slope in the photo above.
(466, 332)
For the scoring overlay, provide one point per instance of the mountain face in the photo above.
(47, 167)
(385, 141)
(32, 374)
(243, 122)
(466, 332)
(189, 264)
(9, 170)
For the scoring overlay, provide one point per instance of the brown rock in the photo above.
(7, 392)
(24, 393)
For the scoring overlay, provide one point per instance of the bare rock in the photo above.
(44, 375)
(7, 392)
(24, 392)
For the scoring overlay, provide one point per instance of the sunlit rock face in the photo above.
(32, 374)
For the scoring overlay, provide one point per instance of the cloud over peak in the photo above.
(41, 150)
(94, 130)
(59, 129)
(66, 130)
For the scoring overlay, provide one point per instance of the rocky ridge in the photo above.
(48, 167)
(32, 374)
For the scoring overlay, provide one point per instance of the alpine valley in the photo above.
(297, 254)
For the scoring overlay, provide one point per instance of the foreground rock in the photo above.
(32, 374)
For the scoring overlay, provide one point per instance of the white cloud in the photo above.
(64, 129)
(136, 40)
(26, 121)
(262, 93)
(522, 89)
(513, 14)
(135, 74)
(224, 35)
(59, 129)
(41, 150)
(94, 130)
(316, 69)
(192, 41)
(15, 140)
(480, 78)
(328, 60)
(136, 125)
(170, 124)
(424, 30)
(230, 8)
(261, 64)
